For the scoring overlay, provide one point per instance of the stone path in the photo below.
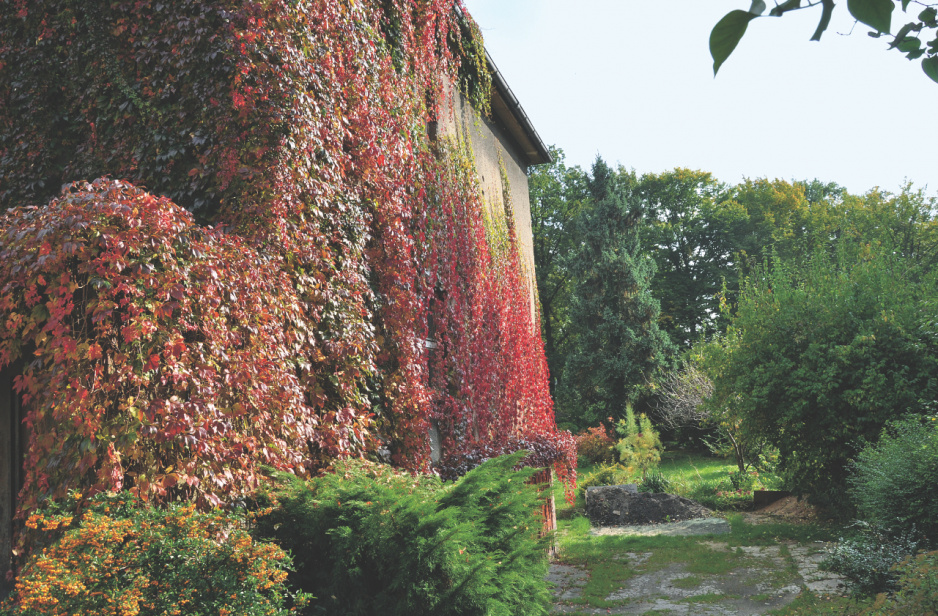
(746, 591)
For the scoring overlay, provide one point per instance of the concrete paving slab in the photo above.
(766, 582)
(698, 526)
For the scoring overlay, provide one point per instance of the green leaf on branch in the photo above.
(789, 5)
(757, 8)
(726, 35)
(909, 43)
(874, 13)
(928, 15)
(901, 35)
(826, 12)
(930, 66)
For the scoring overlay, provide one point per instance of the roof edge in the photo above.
(501, 89)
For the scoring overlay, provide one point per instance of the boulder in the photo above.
(624, 505)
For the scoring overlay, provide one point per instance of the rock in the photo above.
(623, 505)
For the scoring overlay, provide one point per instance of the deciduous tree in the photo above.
(686, 235)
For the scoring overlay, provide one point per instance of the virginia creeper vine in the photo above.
(266, 298)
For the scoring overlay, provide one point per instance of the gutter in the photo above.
(541, 154)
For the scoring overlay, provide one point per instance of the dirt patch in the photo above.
(788, 509)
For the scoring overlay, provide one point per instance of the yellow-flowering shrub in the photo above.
(120, 557)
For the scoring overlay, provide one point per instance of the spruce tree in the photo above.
(617, 343)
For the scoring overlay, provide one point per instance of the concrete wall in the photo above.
(494, 151)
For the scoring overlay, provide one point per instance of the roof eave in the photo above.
(517, 123)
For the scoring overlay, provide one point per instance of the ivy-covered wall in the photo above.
(271, 238)
(501, 169)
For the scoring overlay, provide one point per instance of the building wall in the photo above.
(493, 152)
(10, 462)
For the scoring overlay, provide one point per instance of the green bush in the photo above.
(121, 557)
(823, 354)
(893, 481)
(720, 496)
(656, 482)
(867, 559)
(745, 481)
(605, 475)
(917, 593)
(371, 540)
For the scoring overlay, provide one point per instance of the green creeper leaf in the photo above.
(726, 35)
(930, 66)
(909, 43)
(901, 35)
(788, 5)
(928, 14)
(757, 8)
(905, 4)
(826, 12)
(874, 13)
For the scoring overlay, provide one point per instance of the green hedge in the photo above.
(370, 540)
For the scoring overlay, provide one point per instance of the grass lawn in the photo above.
(686, 468)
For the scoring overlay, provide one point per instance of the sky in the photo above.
(632, 81)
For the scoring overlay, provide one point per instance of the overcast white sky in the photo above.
(632, 80)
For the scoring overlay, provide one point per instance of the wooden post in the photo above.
(543, 479)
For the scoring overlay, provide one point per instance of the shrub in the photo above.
(744, 481)
(370, 540)
(867, 559)
(654, 481)
(556, 450)
(917, 593)
(595, 446)
(823, 354)
(640, 447)
(893, 481)
(605, 475)
(720, 495)
(121, 557)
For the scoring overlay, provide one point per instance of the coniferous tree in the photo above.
(616, 342)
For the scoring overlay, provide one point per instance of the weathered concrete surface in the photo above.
(619, 506)
(697, 526)
(771, 577)
(567, 581)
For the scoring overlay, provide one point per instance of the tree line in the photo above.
(790, 317)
